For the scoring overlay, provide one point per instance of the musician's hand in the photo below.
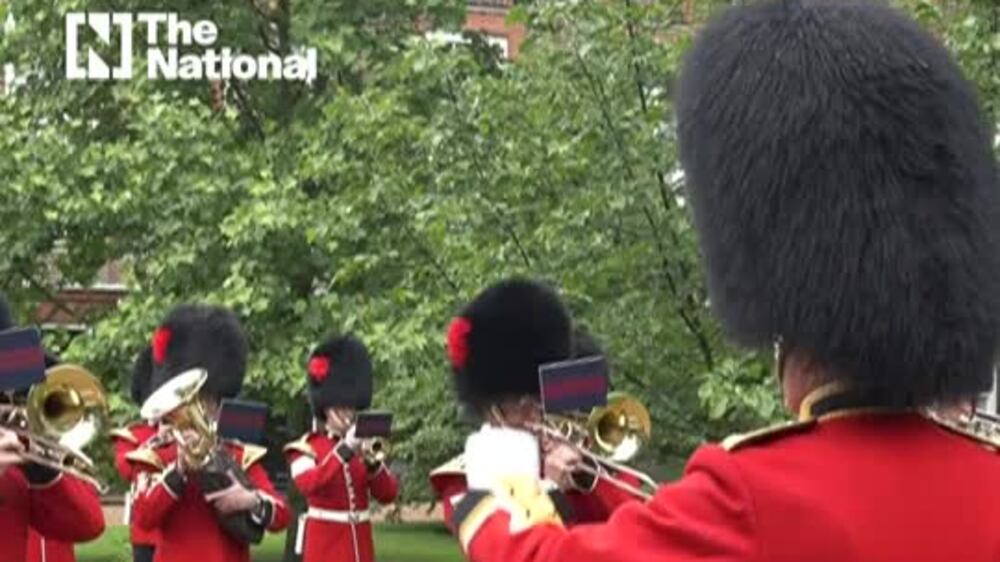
(561, 461)
(233, 499)
(351, 440)
(10, 449)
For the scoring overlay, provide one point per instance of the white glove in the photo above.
(492, 453)
(351, 440)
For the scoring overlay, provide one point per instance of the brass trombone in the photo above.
(61, 416)
(617, 430)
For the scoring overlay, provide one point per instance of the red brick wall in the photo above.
(491, 20)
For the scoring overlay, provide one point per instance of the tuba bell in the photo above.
(61, 416)
(176, 404)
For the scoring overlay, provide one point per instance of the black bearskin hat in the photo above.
(200, 336)
(845, 194)
(340, 375)
(501, 338)
(142, 373)
(585, 344)
(6, 318)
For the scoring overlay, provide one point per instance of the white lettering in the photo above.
(152, 21)
(205, 33)
(179, 31)
(244, 67)
(162, 64)
(191, 68)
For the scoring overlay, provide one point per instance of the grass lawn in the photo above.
(410, 542)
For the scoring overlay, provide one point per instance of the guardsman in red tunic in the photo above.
(42, 512)
(127, 440)
(328, 466)
(174, 504)
(496, 346)
(57, 506)
(847, 200)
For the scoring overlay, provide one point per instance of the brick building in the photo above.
(489, 17)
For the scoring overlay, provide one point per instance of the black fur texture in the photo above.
(207, 337)
(517, 326)
(142, 373)
(349, 382)
(845, 193)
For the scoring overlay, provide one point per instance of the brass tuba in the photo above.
(176, 403)
(61, 416)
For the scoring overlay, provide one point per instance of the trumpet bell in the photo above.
(376, 450)
(620, 428)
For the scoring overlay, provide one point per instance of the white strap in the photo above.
(302, 465)
(127, 512)
(300, 534)
(334, 516)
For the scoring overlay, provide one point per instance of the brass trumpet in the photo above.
(61, 416)
(375, 450)
(618, 430)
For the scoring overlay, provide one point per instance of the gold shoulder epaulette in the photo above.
(984, 436)
(147, 456)
(252, 454)
(301, 445)
(756, 437)
(125, 434)
(455, 465)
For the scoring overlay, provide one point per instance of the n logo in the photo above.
(97, 68)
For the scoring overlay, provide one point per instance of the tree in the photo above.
(379, 198)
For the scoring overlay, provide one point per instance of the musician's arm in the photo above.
(152, 505)
(63, 507)
(706, 515)
(310, 476)
(595, 498)
(449, 488)
(123, 446)
(275, 515)
(383, 484)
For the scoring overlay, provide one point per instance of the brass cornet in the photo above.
(63, 414)
(375, 450)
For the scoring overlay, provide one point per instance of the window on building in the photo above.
(452, 38)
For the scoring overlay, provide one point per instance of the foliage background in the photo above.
(382, 196)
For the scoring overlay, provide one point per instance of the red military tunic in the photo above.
(847, 486)
(187, 524)
(336, 483)
(65, 509)
(41, 549)
(125, 441)
(587, 506)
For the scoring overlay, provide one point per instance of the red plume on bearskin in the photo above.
(161, 339)
(458, 341)
(319, 368)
